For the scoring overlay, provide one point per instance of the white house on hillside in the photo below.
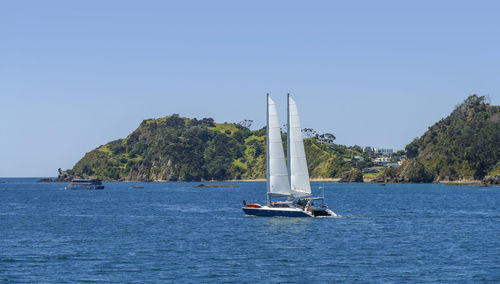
(377, 151)
(383, 152)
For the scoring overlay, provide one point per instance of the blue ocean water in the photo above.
(172, 232)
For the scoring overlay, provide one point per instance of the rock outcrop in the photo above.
(352, 176)
(491, 180)
(65, 176)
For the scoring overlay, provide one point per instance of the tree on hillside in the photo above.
(328, 136)
(309, 132)
(175, 121)
(412, 148)
(247, 123)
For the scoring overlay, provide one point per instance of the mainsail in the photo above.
(296, 156)
(277, 175)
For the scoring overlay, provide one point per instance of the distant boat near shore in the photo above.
(214, 186)
(88, 183)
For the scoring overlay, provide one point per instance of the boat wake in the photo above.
(333, 216)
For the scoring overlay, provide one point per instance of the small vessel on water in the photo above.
(88, 183)
(287, 182)
(214, 186)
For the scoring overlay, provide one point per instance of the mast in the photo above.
(268, 195)
(288, 160)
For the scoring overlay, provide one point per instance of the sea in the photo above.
(177, 233)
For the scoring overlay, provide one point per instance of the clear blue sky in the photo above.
(78, 74)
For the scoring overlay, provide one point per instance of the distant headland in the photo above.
(462, 146)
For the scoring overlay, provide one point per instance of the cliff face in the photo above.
(181, 149)
(464, 145)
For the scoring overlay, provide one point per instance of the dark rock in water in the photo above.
(215, 186)
(352, 176)
(65, 176)
(413, 171)
(491, 180)
(45, 180)
(389, 175)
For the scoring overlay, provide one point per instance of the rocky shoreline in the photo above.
(354, 176)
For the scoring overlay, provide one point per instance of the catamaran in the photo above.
(288, 186)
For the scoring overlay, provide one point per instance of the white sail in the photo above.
(297, 164)
(277, 175)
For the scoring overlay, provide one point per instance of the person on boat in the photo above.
(300, 203)
(308, 206)
(244, 203)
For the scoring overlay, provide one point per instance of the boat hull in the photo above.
(279, 212)
(323, 213)
(275, 212)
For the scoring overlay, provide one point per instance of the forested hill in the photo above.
(464, 145)
(174, 148)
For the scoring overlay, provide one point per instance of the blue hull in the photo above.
(273, 213)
